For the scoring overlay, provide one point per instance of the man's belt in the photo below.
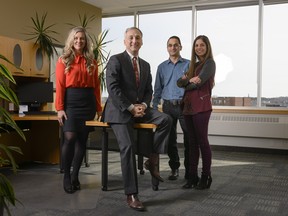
(174, 102)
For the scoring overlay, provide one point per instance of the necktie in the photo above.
(135, 67)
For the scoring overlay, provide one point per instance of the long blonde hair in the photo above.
(195, 58)
(69, 55)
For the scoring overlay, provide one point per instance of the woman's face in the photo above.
(79, 42)
(200, 49)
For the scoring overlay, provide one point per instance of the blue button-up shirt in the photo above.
(166, 80)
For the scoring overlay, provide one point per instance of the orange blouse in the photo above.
(76, 77)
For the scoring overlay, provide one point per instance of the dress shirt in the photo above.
(77, 77)
(166, 80)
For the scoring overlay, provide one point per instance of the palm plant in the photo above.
(7, 195)
(101, 55)
(84, 21)
(42, 35)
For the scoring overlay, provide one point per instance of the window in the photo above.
(116, 27)
(275, 64)
(233, 34)
(157, 28)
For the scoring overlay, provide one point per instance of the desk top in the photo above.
(17, 117)
(136, 125)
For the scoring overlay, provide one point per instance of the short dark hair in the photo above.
(174, 37)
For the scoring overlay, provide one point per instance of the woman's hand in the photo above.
(195, 80)
(98, 116)
(184, 76)
(61, 115)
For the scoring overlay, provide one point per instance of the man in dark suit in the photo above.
(130, 94)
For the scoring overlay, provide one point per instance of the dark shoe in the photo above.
(174, 174)
(152, 165)
(134, 202)
(205, 182)
(76, 185)
(191, 182)
(69, 189)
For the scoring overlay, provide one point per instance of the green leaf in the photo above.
(42, 34)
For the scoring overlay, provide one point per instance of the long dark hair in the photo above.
(195, 59)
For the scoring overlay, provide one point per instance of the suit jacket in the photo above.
(122, 89)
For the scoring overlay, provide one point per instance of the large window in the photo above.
(157, 28)
(233, 35)
(275, 63)
(116, 27)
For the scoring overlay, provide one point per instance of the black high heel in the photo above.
(76, 185)
(205, 182)
(191, 182)
(68, 187)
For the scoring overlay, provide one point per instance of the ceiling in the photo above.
(121, 7)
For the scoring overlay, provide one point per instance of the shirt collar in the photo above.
(78, 58)
(179, 60)
(131, 56)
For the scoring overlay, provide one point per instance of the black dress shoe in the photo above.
(174, 174)
(134, 202)
(191, 182)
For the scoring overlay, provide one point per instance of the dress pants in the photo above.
(126, 142)
(175, 111)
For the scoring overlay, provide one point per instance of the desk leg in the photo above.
(104, 159)
(139, 157)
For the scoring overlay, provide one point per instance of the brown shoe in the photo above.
(134, 202)
(152, 165)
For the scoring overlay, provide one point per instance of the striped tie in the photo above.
(135, 67)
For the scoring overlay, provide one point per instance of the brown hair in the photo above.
(195, 59)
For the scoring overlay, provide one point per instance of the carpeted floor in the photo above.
(244, 183)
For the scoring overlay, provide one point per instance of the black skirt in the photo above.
(80, 106)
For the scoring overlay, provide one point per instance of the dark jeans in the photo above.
(197, 126)
(174, 110)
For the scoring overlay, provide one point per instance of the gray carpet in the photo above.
(244, 183)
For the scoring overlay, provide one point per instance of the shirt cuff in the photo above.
(130, 108)
(144, 104)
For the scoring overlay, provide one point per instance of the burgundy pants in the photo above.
(197, 128)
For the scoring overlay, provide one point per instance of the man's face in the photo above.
(173, 47)
(133, 41)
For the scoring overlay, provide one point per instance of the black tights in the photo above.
(73, 150)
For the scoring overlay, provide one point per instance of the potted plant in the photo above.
(42, 35)
(7, 195)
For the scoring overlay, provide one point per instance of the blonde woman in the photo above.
(77, 100)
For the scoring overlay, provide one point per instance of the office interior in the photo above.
(250, 143)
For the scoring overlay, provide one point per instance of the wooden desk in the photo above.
(42, 134)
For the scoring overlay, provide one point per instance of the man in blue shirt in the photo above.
(166, 88)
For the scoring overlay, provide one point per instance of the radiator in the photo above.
(247, 130)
